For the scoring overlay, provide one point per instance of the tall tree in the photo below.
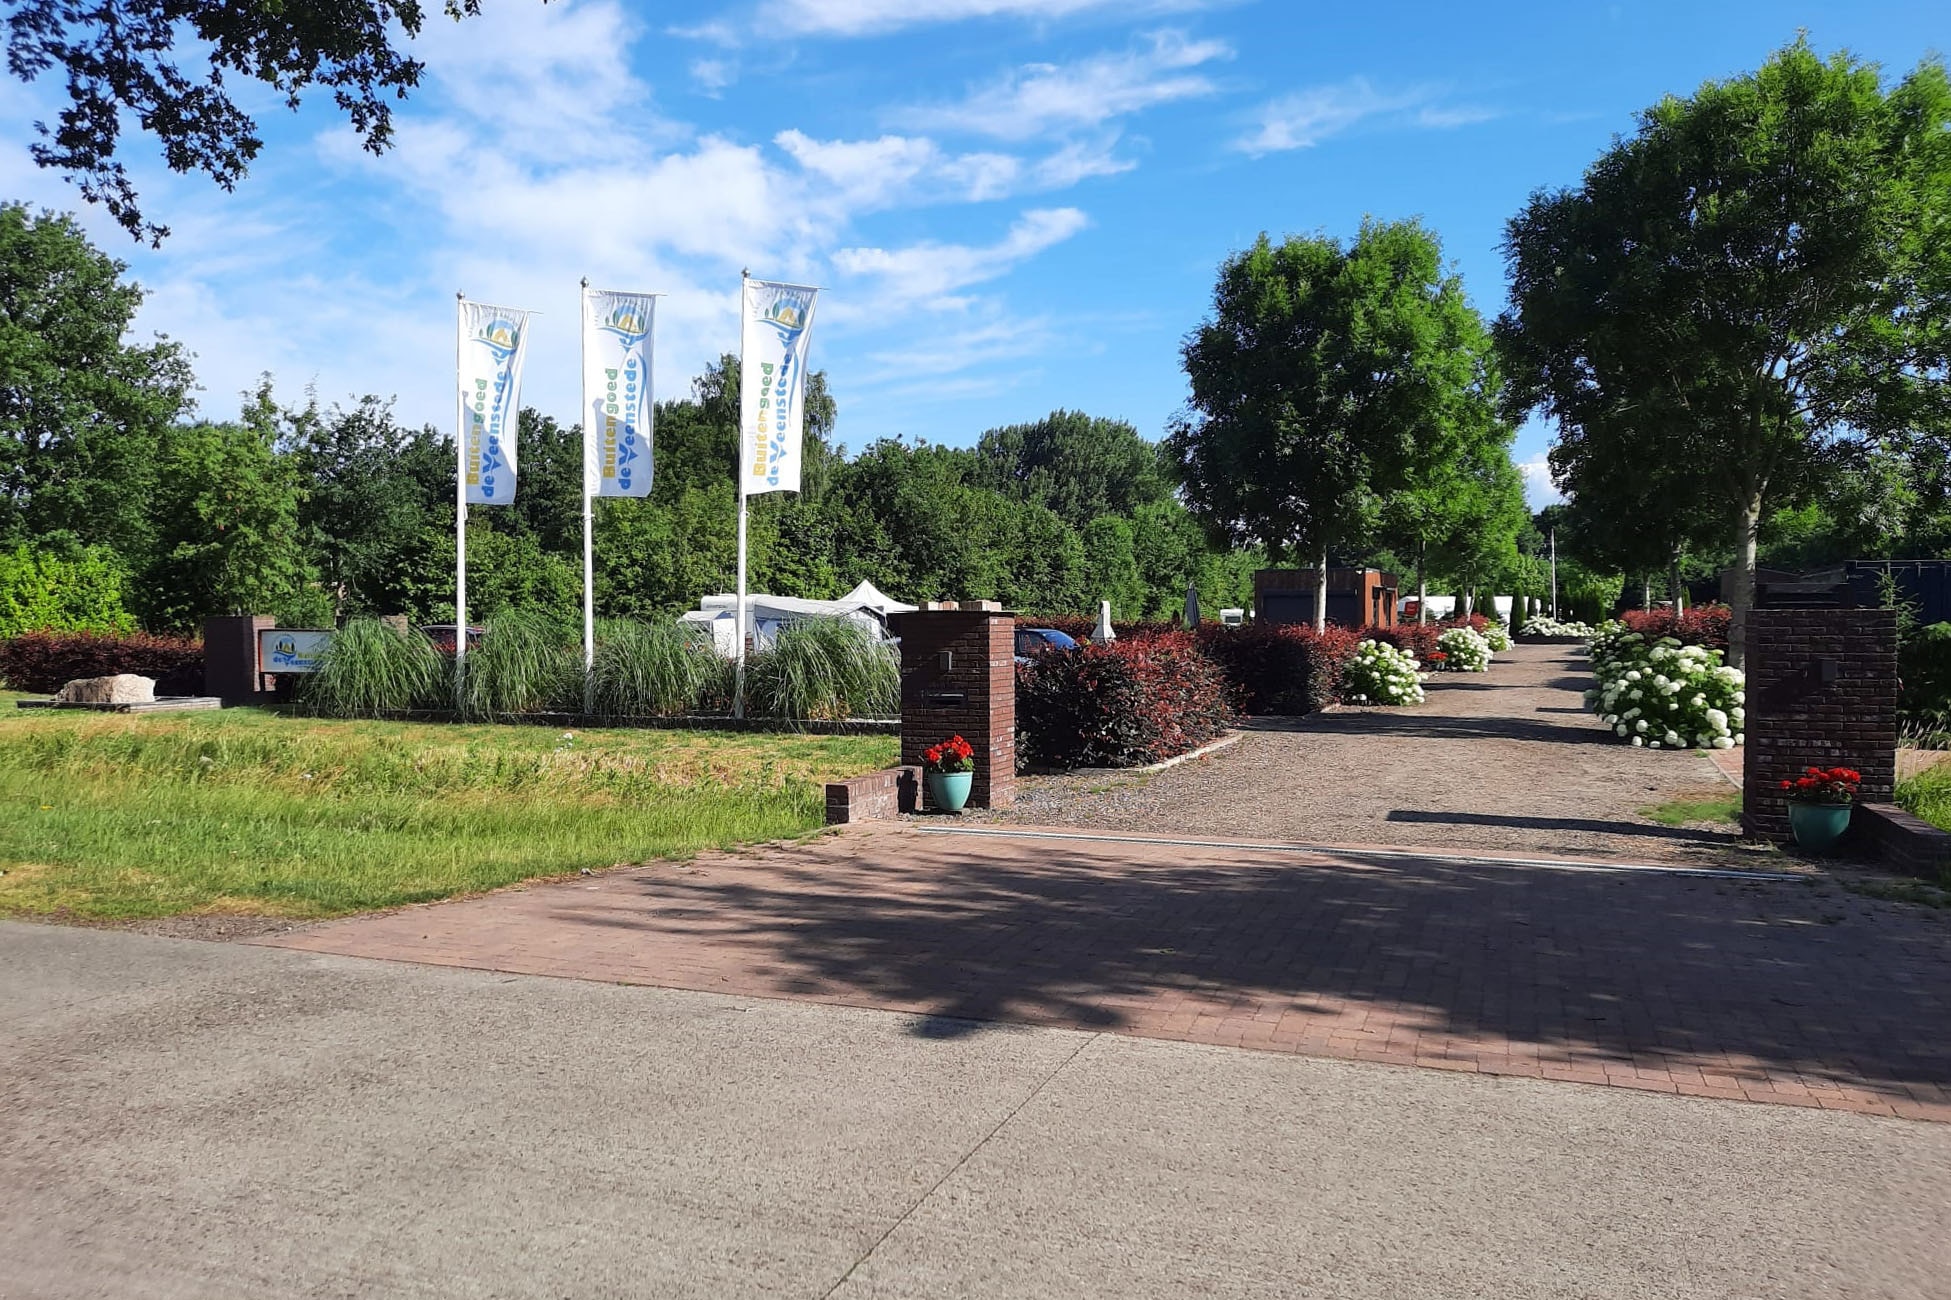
(121, 63)
(226, 525)
(1763, 265)
(1077, 465)
(375, 494)
(1322, 372)
(81, 410)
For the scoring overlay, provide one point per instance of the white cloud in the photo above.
(1304, 118)
(1042, 98)
(865, 17)
(713, 75)
(928, 272)
(1538, 487)
(336, 266)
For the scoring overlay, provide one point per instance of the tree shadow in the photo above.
(1054, 932)
(1594, 825)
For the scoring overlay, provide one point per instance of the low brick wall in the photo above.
(873, 796)
(1898, 839)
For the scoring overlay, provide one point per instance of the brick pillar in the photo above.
(1822, 692)
(230, 658)
(958, 677)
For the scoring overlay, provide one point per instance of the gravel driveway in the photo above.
(1507, 760)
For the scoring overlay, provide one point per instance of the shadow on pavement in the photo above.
(1056, 933)
(1702, 837)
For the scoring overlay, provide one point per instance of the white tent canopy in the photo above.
(865, 605)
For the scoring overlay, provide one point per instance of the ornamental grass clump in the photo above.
(825, 669)
(1665, 695)
(527, 661)
(371, 668)
(1465, 650)
(1381, 674)
(651, 669)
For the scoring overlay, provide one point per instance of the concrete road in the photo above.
(207, 1120)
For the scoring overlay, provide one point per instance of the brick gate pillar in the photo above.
(1822, 692)
(958, 677)
(230, 667)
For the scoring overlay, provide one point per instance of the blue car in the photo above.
(1032, 642)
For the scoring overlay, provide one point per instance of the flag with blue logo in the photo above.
(492, 344)
(777, 321)
(616, 393)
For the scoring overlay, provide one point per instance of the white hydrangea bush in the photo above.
(1465, 650)
(1545, 625)
(1499, 637)
(1381, 674)
(1665, 695)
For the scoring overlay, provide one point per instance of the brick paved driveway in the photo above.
(1780, 991)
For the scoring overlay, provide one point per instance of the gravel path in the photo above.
(1507, 760)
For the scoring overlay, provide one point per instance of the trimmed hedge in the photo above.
(1135, 701)
(1704, 625)
(1419, 639)
(46, 661)
(1279, 669)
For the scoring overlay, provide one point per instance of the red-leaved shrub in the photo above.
(1132, 702)
(1705, 625)
(46, 661)
(1275, 668)
(1419, 639)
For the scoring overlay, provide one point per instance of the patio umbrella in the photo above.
(1192, 605)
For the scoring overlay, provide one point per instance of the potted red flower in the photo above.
(1819, 803)
(949, 770)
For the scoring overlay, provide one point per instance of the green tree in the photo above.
(1077, 465)
(1763, 265)
(61, 589)
(1111, 566)
(1321, 373)
(225, 519)
(81, 411)
(375, 494)
(121, 65)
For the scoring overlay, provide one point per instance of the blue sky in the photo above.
(1015, 205)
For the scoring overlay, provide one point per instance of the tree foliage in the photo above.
(1756, 275)
(81, 410)
(167, 65)
(1325, 379)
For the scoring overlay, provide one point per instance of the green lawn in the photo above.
(1692, 811)
(1928, 795)
(119, 816)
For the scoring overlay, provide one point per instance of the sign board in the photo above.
(290, 649)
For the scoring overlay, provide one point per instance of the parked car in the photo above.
(442, 635)
(1034, 642)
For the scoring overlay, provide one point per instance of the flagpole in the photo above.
(589, 546)
(460, 498)
(738, 676)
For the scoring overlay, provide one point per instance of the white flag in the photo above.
(617, 408)
(778, 318)
(493, 342)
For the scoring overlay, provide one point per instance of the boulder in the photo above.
(122, 688)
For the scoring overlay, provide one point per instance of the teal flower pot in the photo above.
(1818, 826)
(949, 791)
